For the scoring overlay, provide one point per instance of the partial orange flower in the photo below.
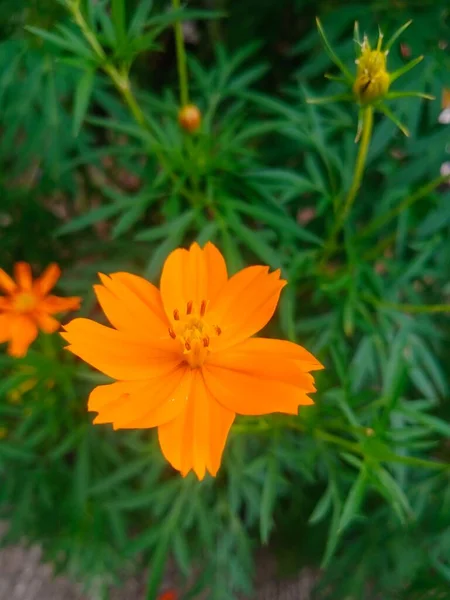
(170, 595)
(184, 359)
(28, 307)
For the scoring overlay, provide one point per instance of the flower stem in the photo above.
(181, 58)
(366, 136)
(118, 77)
(415, 308)
(121, 80)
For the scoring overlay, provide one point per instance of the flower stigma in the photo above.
(24, 302)
(194, 333)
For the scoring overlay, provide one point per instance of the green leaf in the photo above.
(353, 501)
(268, 498)
(159, 559)
(391, 490)
(54, 39)
(126, 472)
(130, 217)
(434, 423)
(90, 218)
(83, 94)
(175, 233)
(255, 242)
(322, 507)
(280, 221)
(118, 18)
(139, 20)
(333, 532)
(82, 473)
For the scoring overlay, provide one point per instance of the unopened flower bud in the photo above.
(372, 78)
(190, 118)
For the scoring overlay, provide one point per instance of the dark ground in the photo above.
(24, 577)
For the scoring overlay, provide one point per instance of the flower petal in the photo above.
(23, 276)
(145, 290)
(266, 357)
(216, 269)
(196, 438)
(135, 305)
(5, 327)
(245, 305)
(56, 304)
(47, 280)
(143, 404)
(193, 275)
(23, 331)
(6, 283)
(249, 393)
(47, 323)
(105, 396)
(118, 354)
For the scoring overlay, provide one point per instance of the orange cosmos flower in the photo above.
(27, 307)
(184, 358)
(170, 595)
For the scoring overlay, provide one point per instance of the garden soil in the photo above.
(23, 576)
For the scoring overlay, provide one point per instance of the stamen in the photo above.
(176, 314)
(218, 330)
(189, 307)
(206, 341)
(172, 333)
(187, 345)
(203, 308)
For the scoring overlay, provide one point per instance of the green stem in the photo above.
(120, 79)
(181, 58)
(415, 308)
(334, 439)
(367, 128)
(122, 84)
(88, 34)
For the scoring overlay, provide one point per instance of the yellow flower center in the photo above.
(24, 302)
(372, 79)
(194, 333)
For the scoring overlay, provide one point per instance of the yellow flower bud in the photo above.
(190, 118)
(372, 78)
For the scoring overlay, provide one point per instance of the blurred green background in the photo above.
(358, 484)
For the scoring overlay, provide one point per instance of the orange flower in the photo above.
(184, 358)
(27, 307)
(170, 595)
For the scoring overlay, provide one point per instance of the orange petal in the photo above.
(47, 280)
(251, 394)
(23, 331)
(47, 323)
(145, 290)
(6, 283)
(118, 354)
(192, 275)
(161, 400)
(56, 304)
(23, 276)
(5, 327)
(135, 305)
(196, 438)
(245, 305)
(266, 356)
(104, 396)
(216, 269)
